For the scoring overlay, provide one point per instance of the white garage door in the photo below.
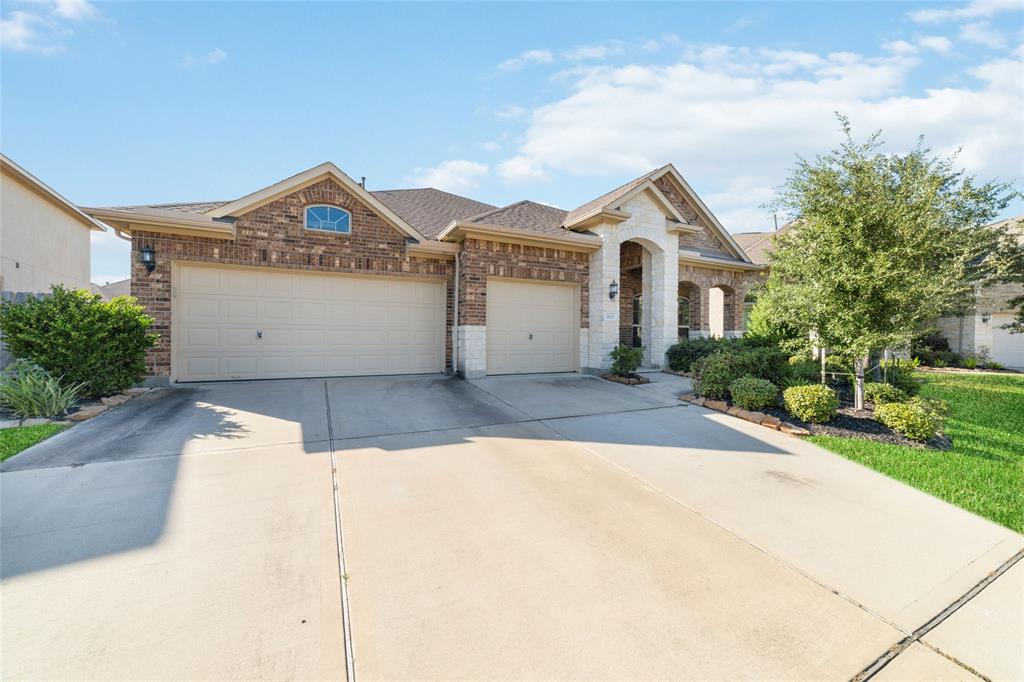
(263, 324)
(1007, 348)
(530, 327)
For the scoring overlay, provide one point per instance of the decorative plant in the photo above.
(813, 403)
(917, 419)
(752, 393)
(626, 360)
(75, 335)
(30, 391)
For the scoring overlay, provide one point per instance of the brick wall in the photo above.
(273, 236)
(707, 238)
(482, 259)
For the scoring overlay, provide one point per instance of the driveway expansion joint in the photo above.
(890, 655)
(346, 621)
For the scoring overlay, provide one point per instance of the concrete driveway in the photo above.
(517, 527)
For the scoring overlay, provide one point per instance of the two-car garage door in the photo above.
(261, 324)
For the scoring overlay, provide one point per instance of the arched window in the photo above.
(328, 219)
(684, 317)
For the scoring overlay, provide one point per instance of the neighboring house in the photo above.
(981, 330)
(44, 238)
(316, 276)
(114, 289)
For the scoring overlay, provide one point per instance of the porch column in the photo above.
(702, 329)
(604, 312)
(663, 305)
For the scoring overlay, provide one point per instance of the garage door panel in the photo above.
(1007, 348)
(531, 327)
(312, 325)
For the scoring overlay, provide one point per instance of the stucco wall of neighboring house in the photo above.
(274, 236)
(976, 332)
(40, 244)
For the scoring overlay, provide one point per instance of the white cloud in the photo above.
(42, 26)
(725, 112)
(511, 112)
(75, 10)
(900, 47)
(456, 175)
(602, 50)
(490, 146)
(938, 44)
(214, 56)
(979, 9)
(983, 33)
(521, 169)
(526, 58)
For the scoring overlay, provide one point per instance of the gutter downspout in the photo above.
(455, 317)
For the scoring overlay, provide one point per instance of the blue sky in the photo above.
(122, 103)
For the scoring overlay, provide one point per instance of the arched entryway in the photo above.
(638, 261)
(688, 324)
(722, 320)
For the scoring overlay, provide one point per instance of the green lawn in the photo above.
(984, 471)
(13, 441)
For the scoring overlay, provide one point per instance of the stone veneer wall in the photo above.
(273, 236)
(482, 259)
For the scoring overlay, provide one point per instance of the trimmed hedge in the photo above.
(752, 393)
(814, 403)
(682, 355)
(916, 419)
(74, 335)
(879, 393)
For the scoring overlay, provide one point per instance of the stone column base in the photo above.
(472, 347)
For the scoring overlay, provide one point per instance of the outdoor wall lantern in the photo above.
(613, 289)
(985, 317)
(147, 256)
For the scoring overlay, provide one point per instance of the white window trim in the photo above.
(305, 219)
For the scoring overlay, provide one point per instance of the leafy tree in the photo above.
(882, 244)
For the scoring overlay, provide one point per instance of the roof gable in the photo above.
(47, 193)
(309, 177)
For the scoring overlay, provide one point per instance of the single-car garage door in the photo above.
(1007, 348)
(264, 324)
(531, 327)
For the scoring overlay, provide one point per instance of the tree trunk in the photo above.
(858, 390)
(821, 351)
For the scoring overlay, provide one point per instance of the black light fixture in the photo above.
(147, 256)
(613, 289)
(985, 317)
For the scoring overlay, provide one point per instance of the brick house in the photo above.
(316, 276)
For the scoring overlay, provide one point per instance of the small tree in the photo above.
(883, 244)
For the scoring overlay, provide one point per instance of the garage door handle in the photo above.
(259, 333)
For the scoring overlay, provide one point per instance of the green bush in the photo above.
(878, 393)
(992, 364)
(814, 403)
(970, 362)
(30, 391)
(900, 373)
(683, 354)
(803, 372)
(752, 393)
(80, 338)
(916, 419)
(625, 360)
(713, 374)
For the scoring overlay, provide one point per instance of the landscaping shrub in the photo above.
(683, 354)
(900, 373)
(30, 391)
(916, 419)
(626, 360)
(712, 375)
(803, 372)
(814, 403)
(878, 393)
(80, 338)
(970, 362)
(752, 393)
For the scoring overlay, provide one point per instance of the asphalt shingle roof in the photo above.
(525, 215)
(430, 210)
(608, 198)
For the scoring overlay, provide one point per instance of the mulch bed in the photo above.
(851, 423)
(632, 379)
